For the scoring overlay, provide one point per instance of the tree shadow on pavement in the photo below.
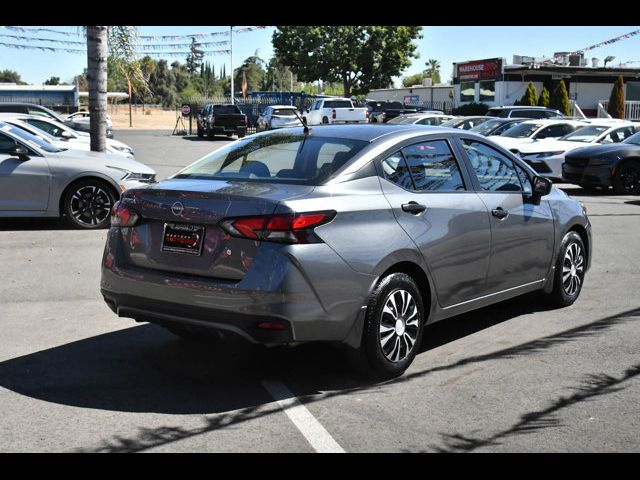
(146, 369)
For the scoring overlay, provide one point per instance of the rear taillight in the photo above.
(291, 228)
(122, 216)
(333, 114)
(366, 114)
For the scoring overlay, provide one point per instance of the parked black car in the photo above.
(614, 165)
(523, 111)
(221, 119)
(382, 112)
(496, 126)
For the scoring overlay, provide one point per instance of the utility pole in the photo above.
(231, 48)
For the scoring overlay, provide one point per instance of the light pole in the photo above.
(231, 49)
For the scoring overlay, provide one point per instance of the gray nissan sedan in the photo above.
(353, 234)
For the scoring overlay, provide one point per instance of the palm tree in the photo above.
(122, 41)
(433, 70)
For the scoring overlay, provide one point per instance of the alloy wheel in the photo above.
(90, 205)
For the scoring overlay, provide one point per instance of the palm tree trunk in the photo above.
(97, 79)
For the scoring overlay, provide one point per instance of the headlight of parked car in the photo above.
(123, 149)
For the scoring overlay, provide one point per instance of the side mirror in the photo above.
(19, 152)
(66, 135)
(541, 186)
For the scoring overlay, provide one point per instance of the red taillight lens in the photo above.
(122, 216)
(293, 228)
(333, 113)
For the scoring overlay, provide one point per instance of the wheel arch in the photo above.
(82, 177)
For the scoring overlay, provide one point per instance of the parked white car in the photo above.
(82, 118)
(531, 131)
(62, 135)
(278, 116)
(335, 110)
(547, 157)
(421, 118)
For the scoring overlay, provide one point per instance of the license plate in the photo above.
(182, 238)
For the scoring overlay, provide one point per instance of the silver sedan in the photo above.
(39, 179)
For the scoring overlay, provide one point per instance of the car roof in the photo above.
(521, 107)
(292, 107)
(553, 121)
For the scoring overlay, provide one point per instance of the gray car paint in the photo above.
(321, 289)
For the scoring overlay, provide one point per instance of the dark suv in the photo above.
(221, 119)
(523, 111)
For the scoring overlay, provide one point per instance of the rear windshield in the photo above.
(494, 112)
(225, 109)
(284, 111)
(394, 105)
(277, 158)
(338, 104)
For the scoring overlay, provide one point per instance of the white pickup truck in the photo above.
(335, 110)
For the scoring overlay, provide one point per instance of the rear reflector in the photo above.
(291, 228)
(272, 326)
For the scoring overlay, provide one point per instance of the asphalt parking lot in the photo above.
(511, 377)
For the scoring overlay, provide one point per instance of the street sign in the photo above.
(186, 110)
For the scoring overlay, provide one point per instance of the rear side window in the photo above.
(433, 167)
(494, 112)
(394, 169)
(338, 104)
(46, 126)
(225, 110)
(494, 170)
(529, 113)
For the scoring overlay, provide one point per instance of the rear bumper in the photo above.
(225, 129)
(308, 289)
(597, 176)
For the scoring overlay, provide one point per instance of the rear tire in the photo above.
(87, 204)
(393, 328)
(325, 120)
(569, 272)
(200, 133)
(626, 181)
(241, 134)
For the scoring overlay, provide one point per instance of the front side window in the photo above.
(6, 144)
(46, 127)
(433, 167)
(488, 90)
(633, 139)
(619, 135)
(555, 131)
(467, 91)
(525, 180)
(523, 130)
(494, 170)
(276, 158)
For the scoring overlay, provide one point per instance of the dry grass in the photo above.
(156, 118)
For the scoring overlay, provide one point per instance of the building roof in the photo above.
(569, 70)
(12, 87)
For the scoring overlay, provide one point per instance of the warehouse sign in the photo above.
(480, 69)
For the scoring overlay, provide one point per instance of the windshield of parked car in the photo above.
(404, 120)
(452, 123)
(633, 139)
(225, 110)
(276, 158)
(586, 134)
(30, 139)
(34, 131)
(486, 127)
(523, 130)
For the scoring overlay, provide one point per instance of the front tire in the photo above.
(626, 181)
(393, 328)
(570, 271)
(87, 204)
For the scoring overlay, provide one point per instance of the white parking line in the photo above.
(319, 439)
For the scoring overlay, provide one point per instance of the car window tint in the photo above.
(525, 180)
(46, 126)
(395, 170)
(433, 167)
(494, 170)
(6, 144)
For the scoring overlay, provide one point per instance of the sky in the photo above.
(447, 44)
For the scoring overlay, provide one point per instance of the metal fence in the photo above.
(631, 109)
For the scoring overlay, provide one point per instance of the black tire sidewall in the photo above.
(67, 203)
(618, 188)
(371, 347)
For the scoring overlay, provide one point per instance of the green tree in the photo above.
(530, 97)
(545, 99)
(162, 83)
(11, 76)
(560, 99)
(412, 80)
(359, 57)
(253, 69)
(433, 70)
(616, 100)
(52, 81)
(194, 59)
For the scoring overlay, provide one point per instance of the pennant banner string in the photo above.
(143, 37)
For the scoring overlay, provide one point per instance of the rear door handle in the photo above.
(499, 213)
(413, 207)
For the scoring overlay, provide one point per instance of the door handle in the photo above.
(413, 207)
(499, 213)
